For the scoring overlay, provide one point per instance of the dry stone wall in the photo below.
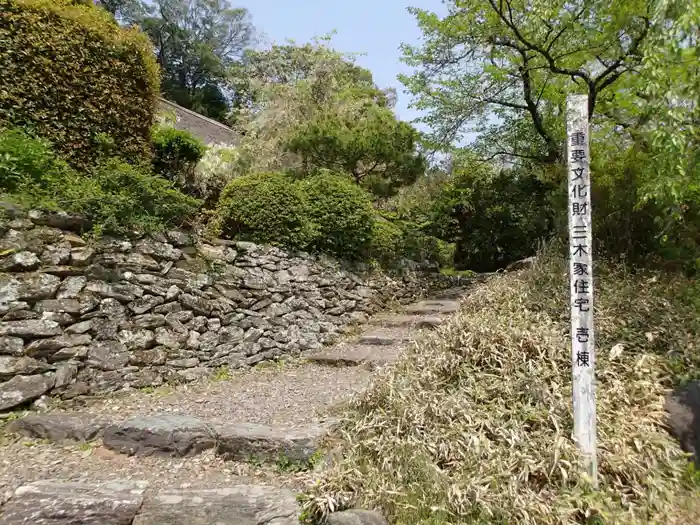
(87, 318)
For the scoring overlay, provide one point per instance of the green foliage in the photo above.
(386, 246)
(196, 43)
(341, 213)
(323, 213)
(265, 208)
(176, 153)
(282, 89)
(72, 75)
(26, 160)
(493, 218)
(371, 144)
(116, 197)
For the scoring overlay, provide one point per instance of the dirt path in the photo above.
(258, 426)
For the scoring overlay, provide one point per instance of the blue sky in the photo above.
(373, 27)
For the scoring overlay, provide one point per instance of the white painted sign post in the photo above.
(581, 281)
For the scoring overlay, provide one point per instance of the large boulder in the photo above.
(683, 417)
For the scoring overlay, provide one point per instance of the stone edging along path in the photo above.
(176, 437)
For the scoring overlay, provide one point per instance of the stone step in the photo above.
(432, 307)
(387, 336)
(57, 502)
(174, 435)
(370, 356)
(413, 321)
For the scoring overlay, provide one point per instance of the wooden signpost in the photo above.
(581, 281)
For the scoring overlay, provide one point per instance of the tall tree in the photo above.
(196, 41)
(126, 11)
(309, 106)
(492, 65)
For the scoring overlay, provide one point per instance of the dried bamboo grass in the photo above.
(474, 426)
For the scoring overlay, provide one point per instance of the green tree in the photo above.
(196, 41)
(372, 145)
(310, 106)
(125, 11)
(495, 65)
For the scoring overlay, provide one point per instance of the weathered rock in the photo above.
(137, 339)
(152, 357)
(71, 503)
(148, 321)
(145, 303)
(238, 505)
(22, 389)
(413, 321)
(11, 346)
(57, 427)
(164, 434)
(30, 329)
(356, 517)
(45, 348)
(11, 366)
(355, 354)
(247, 441)
(121, 292)
(71, 287)
(683, 418)
(108, 355)
(386, 336)
(28, 286)
(71, 306)
(433, 307)
(19, 262)
(65, 374)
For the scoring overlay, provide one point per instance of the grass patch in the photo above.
(451, 272)
(474, 426)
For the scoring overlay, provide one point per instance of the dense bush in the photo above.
(176, 153)
(493, 218)
(341, 214)
(115, 196)
(386, 245)
(71, 74)
(266, 208)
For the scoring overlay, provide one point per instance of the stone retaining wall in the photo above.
(87, 318)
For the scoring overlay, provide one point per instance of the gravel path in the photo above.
(291, 394)
(287, 395)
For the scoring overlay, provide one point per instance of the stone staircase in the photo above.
(141, 459)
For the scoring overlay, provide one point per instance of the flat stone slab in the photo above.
(59, 427)
(238, 505)
(68, 503)
(387, 336)
(433, 307)
(248, 441)
(355, 355)
(356, 517)
(412, 321)
(160, 435)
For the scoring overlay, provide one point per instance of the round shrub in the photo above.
(176, 153)
(387, 244)
(341, 212)
(73, 76)
(265, 208)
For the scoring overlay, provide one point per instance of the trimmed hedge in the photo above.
(72, 75)
(265, 208)
(341, 213)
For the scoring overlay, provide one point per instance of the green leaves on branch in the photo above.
(375, 148)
